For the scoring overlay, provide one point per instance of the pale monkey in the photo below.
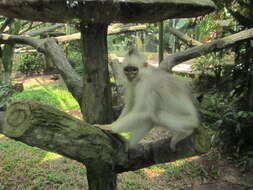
(154, 98)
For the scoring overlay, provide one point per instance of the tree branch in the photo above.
(169, 62)
(44, 29)
(47, 128)
(70, 77)
(50, 48)
(30, 27)
(7, 22)
(35, 43)
(111, 31)
(183, 37)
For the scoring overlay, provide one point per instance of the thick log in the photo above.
(50, 129)
(45, 127)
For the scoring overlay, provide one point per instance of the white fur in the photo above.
(155, 98)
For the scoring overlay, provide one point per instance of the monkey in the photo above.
(154, 98)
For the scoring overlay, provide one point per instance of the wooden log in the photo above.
(50, 129)
(47, 128)
(111, 31)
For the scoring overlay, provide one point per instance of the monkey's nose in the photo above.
(131, 69)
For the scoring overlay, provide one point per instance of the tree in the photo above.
(82, 142)
(14, 26)
(243, 72)
(7, 51)
(50, 129)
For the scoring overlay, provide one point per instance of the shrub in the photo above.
(31, 64)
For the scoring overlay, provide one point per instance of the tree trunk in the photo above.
(49, 65)
(50, 129)
(160, 42)
(7, 54)
(7, 59)
(103, 153)
(250, 78)
(97, 97)
(101, 177)
(173, 48)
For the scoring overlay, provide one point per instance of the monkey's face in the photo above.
(133, 63)
(131, 72)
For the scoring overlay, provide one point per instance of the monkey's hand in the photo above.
(108, 131)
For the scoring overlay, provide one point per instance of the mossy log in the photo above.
(45, 127)
(48, 128)
(103, 153)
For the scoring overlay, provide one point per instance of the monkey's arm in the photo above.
(128, 100)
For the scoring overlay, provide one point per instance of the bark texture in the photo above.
(97, 96)
(45, 127)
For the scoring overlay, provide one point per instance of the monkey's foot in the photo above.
(104, 127)
(108, 131)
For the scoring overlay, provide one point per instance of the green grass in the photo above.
(24, 167)
(53, 94)
(30, 168)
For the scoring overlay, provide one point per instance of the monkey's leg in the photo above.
(178, 137)
(130, 122)
(178, 122)
(183, 126)
(138, 134)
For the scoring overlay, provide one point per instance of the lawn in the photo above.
(28, 168)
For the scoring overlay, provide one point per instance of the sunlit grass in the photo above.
(52, 94)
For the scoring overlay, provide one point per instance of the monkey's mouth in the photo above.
(131, 72)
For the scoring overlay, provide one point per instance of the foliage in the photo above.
(75, 57)
(5, 93)
(121, 42)
(31, 63)
(233, 126)
(213, 63)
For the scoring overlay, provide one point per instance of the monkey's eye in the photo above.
(131, 69)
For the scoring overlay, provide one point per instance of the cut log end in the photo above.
(17, 119)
